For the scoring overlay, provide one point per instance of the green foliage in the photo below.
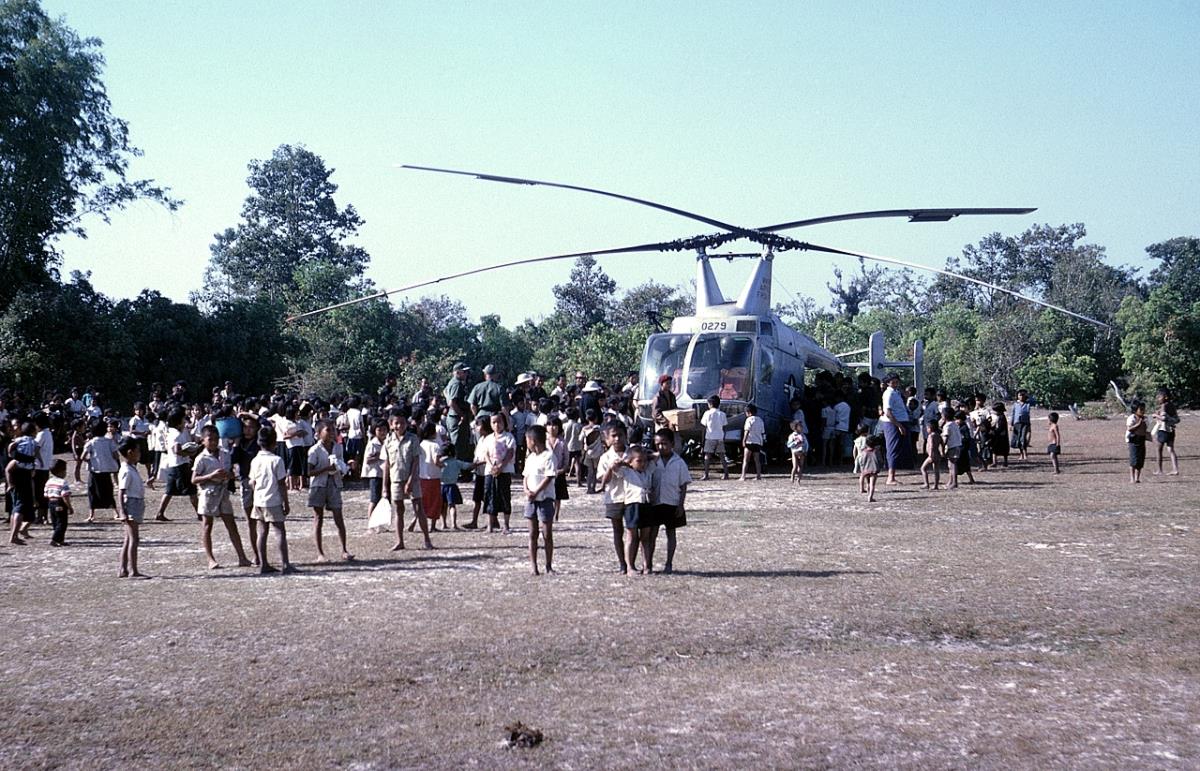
(291, 246)
(63, 154)
(586, 299)
(1059, 378)
(1160, 341)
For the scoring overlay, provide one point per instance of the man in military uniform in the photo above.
(458, 415)
(487, 397)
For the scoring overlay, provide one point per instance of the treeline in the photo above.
(64, 158)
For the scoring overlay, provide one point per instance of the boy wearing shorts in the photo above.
(754, 435)
(612, 491)
(539, 475)
(325, 468)
(402, 455)
(131, 506)
(270, 497)
(714, 422)
(669, 482)
(58, 498)
(211, 474)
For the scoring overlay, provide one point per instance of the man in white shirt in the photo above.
(895, 415)
(670, 478)
(42, 463)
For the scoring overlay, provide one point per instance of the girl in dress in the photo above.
(869, 464)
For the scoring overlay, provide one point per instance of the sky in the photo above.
(750, 112)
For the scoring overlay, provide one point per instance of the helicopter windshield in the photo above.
(664, 356)
(721, 365)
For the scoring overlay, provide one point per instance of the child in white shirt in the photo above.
(132, 507)
(100, 453)
(212, 473)
(754, 436)
(539, 474)
(714, 422)
(271, 505)
(797, 445)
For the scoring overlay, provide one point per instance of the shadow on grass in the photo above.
(422, 560)
(780, 573)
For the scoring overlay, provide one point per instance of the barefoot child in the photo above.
(797, 446)
(131, 506)
(754, 435)
(963, 464)
(1166, 418)
(501, 465)
(639, 514)
(870, 465)
(402, 456)
(933, 455)
(1135, 437)
(1054, 439)
(326, 466)
(270, 498)
(538, 480)
(669, 481)
(451, 470)
(211, 474)
(58, 496)
(557, 444)
(953, 443)
(483, 425)
(714, 421)
(429, 473)
(100, 453)
(593, 450)
(613, 486)
(373, 464)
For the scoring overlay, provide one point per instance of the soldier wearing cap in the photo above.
(458, 416)
(487, 397)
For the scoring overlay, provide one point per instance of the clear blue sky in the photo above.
(748, 112)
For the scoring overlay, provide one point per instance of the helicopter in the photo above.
(736, 349)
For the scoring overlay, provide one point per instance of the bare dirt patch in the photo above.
(1027, 621)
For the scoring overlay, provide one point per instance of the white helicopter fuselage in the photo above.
(738, 351)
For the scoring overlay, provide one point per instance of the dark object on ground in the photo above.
(521, 735)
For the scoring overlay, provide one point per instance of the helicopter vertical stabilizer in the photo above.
(708, 292)
(756, 295)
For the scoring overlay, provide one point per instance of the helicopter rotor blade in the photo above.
(914, 215)
(652, 247)
(536, 182)
(952, 274)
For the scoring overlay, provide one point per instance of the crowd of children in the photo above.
(407, 452)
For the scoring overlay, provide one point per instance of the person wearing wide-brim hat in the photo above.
(590, 399)
(458, 416)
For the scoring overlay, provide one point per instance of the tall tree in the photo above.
(585, 300)
(292, 244)
(63, 154)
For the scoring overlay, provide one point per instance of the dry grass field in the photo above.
(1028, 621)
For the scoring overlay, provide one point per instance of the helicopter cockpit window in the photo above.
(721, 365)
(664, 356)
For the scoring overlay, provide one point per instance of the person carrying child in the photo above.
(797, 444)
(1166, 418)
(593, 444)
(999, 434)
(18, 475)
(211, 473)
(1136, 431)
(539, 477)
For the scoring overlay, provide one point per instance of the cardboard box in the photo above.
(681, 420)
